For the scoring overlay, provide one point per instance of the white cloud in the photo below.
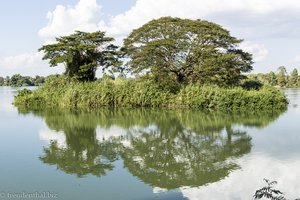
(26, 64)
(259, 51)
(26, 59)
(249, 18)
(238, 14)
(64, 20)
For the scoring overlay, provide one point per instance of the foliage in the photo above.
(140, 93)
(272, 79)
(81, 157)
(251, 84)
(186, 51)
(282, 76)
(2, 81)
(17, 81)
(233, 99)
(269, 192)
(82, 53)
(294, 78)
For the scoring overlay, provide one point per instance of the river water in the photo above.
(146, 153)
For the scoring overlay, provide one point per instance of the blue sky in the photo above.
(270, 29)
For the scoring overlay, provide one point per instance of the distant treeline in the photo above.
(281, 79)
(17, 80)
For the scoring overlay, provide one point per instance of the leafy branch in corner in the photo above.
(269, 192)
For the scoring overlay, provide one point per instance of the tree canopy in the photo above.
(187, 50)
(82, 53)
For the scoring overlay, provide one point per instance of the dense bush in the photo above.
(252, 85)
(60, 91)
(232, 99)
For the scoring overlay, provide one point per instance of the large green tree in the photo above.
(187, 51)
(82, 53)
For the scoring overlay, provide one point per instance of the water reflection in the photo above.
(83, 154)
(177, 156)
(165, 149)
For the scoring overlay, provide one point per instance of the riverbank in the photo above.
(58, 92)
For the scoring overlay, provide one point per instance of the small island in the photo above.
(168, 63)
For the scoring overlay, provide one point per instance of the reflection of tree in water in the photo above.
(181, 157)
(166, 149)
(84, 154)
(80, 158)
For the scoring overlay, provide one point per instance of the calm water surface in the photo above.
(147, 154)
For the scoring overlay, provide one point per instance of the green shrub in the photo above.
(61, 92)
(252, 85)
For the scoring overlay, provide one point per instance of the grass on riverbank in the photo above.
(58, 92)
